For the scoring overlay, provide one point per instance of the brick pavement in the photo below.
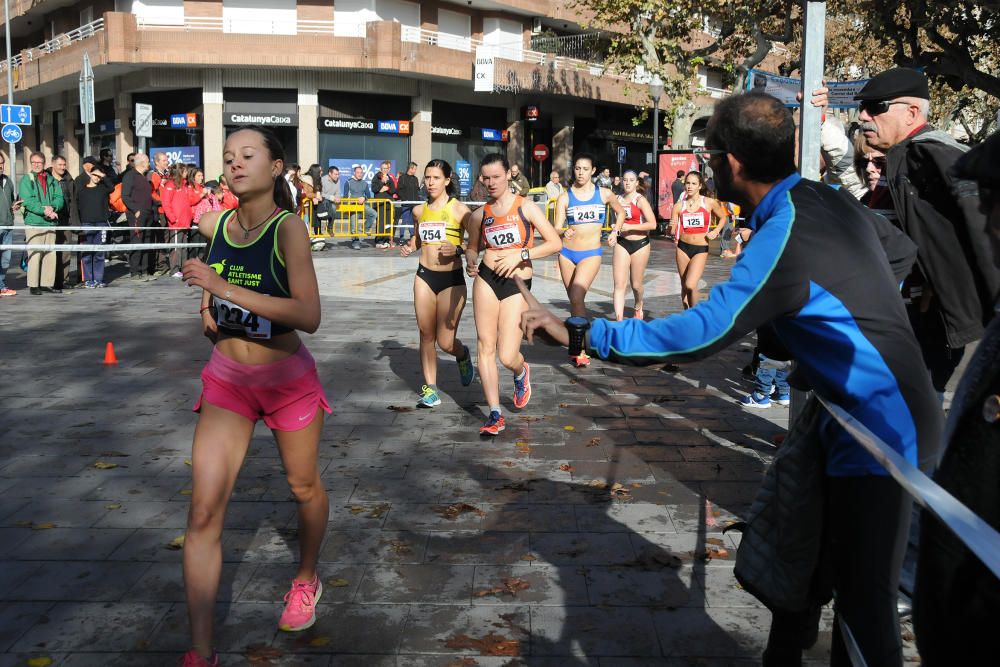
(443, 549)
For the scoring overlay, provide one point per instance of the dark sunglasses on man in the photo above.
(878, 107)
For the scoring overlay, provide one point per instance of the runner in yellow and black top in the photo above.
(439, 288)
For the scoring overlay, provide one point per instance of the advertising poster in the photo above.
(464, 169)
(670, 162)
(368, 167)
(785, 88)
(185, 154)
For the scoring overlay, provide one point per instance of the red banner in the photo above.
(669, 164)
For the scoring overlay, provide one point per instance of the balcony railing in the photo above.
(590, 47)
(240, 25)
(54, 44)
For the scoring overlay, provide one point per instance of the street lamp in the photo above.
(655, 91)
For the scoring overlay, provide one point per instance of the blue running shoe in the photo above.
(493, 425)
(756, 400)
(465, 368)
(428, 398)
(522, 388)
(783, 399)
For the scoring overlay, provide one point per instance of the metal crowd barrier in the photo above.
(979, 536)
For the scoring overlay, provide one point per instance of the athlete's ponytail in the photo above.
(452, 188)
(282, 196)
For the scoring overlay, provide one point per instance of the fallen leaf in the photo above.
(400, 547)
(187, 462)
(565, 467)
(636, 485)
(598, 484)
(564, 405)
(379, 511)
(261, 655)
(491, 644)
(338, 583)
(529, 557)
(507, 586)
(176, 544)
(42, 526)
(400, 408)
(594, 442)
(101, 465)
(113, 506)
(509, 464)
(452, 512)
(357, 509)
(185, 492)
(619, 491)
(319, 641)
(567, 427)
(40, 661)
(715, 541)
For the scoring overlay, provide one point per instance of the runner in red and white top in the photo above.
(630, 241)
(689, 224)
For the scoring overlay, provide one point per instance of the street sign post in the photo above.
(621, 159)
(540, 153)
(143, 124)
(10, 89)
(11, 133)
(87, 113)
(15, 114)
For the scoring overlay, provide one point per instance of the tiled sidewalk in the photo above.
(580, 536)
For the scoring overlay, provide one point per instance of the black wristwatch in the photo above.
(525, 255)
(578, 328)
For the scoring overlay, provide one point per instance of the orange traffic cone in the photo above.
(109, 354)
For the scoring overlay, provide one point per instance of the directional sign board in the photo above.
(11, 134)
(87, 114)
(144, 120)
(16, 114)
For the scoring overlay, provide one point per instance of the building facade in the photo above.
(339, 81)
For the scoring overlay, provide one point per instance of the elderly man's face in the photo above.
(37, 164)
(161, 162)
(886, 123)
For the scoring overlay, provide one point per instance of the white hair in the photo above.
(924, 107)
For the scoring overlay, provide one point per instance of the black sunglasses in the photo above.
(877, 107)
(705, 154)
(879, 161)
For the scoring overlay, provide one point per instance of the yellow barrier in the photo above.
(354, 217)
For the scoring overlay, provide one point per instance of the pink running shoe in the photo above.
(192, 659)
(300, 612)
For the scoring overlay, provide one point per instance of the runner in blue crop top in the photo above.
(581, 213)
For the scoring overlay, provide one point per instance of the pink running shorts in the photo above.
(286, 393)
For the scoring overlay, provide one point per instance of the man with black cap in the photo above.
(951, 290)
(956, 595)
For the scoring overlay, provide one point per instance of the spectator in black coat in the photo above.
(407, 189)
(137, 195)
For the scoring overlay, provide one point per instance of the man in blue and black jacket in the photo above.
(825, 273)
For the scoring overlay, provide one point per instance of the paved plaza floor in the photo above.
(588, 533)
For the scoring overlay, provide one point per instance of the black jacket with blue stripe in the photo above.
(825, 272)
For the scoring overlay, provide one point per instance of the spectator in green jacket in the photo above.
(42, 199)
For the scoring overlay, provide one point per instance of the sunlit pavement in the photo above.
(588, 533)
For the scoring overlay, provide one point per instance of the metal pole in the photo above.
(810, 117)
(656, 143)
(10, 93)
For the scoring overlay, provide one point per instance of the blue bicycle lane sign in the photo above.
(11, 134)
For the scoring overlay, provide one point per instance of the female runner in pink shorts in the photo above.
(259, 288)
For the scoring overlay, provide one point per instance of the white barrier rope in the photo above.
(978, 536)
(100, 247)
(98, 228)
